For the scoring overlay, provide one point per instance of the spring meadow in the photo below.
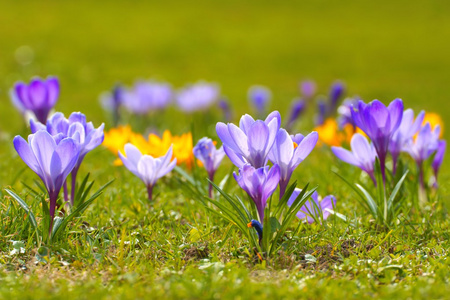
(224, 150)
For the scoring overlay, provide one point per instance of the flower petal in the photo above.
(26, 154)
(395, 113)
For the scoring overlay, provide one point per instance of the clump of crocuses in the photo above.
(86, 136)
(38, 97)
(146, 167)
(205, 151)
(379, 123)
(250, 147)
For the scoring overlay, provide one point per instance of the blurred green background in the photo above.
(382, 49)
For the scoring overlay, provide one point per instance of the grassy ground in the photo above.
(124, 248)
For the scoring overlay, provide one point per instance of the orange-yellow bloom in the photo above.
(330, 134)
(116, 138)
(434, 119)
(182, 146)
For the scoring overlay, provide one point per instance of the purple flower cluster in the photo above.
(250, 147)
(197, 97)
(391, 130)
(84, 133)
(147, 96)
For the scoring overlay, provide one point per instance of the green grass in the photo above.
(125, 248)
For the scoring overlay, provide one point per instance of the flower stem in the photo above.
(53, 198)
(74, 182)
(150, 192)
(422, 190)
(210, 187)
(66, 192)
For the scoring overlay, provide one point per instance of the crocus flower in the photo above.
(111, 102)
(259, 97)
(434, 119)
(336, 91)
(423, 147)
(251, 141)
(407, 129)
(321, 115)
(307, 89)
(297, 108)
(438, 159)
(330, 134)
(345, 112)
(147, 96)
(84, 133)
(52, 158)
(288, 152)
(327, 107)
(259, 183)
(379, 123)
(206, 152)
(363, 155)
(197, 97)
(309, 208)
(182, 146)
(39, 96)
(224, 105)
(146, 167)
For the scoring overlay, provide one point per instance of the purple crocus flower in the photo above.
(52, 158)
(321, 112)
(336, 91)
(405, 132)
(438, 159)
(259, 183)
(345, 112)
(297, 108)
(224, 105)
(146, 167)
(84, 133)
(363, 155)
(307, 89)
(147, 96)
(309, 208)
(111, 102)
(197, 96)
(288, 152)
(379, 123)
(206, 152)
(39, 96)
(423, 147)
(259, 97)
(251, 141)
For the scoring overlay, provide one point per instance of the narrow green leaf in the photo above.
(25, 206)
(396, 189)
(362, 201)
(369, 199)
